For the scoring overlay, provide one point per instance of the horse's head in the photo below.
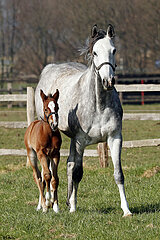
(103, 52)
(50, 108)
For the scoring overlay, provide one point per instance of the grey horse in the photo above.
(89, 108)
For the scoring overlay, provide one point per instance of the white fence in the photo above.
(29, 98)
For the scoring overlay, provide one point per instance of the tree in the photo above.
(34, 33)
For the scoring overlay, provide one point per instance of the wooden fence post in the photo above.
(9, 88)
(30, 110)
(30, 105)
(103, 154)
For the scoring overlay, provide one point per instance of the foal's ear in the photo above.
(110, 31)
(94, 31)
(43, 96)
(56, 95)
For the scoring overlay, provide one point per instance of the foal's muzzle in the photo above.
(54, 126)
(109, 83)
(52, 119)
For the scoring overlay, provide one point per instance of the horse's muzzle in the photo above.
(109, 83)
(54, 127)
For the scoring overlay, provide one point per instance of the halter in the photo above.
(105, 63)
(47, 117)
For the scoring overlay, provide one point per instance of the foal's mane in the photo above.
(86, 50)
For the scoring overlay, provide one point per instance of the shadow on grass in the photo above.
(148, 208)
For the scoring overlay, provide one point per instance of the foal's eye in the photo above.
(95, 54)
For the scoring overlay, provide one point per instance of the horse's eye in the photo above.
(114, 51)
(46, 110)
(94, 53)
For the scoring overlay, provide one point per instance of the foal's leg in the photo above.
(54, 182)
(74, 172)
(43, 183)
(36, 175)
(115, 145)
(47, 177)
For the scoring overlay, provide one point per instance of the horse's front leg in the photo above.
(54, 182)
(74, 172)
(115, 145)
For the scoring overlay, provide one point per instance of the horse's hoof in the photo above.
(72, 210)
(129, 214)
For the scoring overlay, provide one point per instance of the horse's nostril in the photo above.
(113, 81)
(105, 82)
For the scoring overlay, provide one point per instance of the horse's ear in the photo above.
(56, 95)
(43, 96)
(110, 31)
(94, 31)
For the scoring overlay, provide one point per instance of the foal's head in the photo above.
(50, 108)
(103, 52)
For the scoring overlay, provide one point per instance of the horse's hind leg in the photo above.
(115, 145)
(54, 183)
(74, 172)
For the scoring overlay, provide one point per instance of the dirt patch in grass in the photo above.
(67, 236)
(32, 203)
(11, 167)
(151, 172)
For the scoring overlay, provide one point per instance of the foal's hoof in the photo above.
(55, 208)
(45, 209)
(48, 204)
(38, 208)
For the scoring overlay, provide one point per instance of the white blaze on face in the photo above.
(51, 105)
(103, 52)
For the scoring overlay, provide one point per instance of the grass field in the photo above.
(98, 213)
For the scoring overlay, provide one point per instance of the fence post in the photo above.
(9, 88)
(30, 105)
(30, 110)
(103, 154)
(142, 94)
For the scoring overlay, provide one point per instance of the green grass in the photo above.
(11, 115)
(141, 108)
(98, 214)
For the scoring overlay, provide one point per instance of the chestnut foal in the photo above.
(43, 141)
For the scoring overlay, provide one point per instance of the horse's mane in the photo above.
(86, 50)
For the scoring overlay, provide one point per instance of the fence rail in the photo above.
(29, 98)
(13, 98)
(138, 88)
(90, 152)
